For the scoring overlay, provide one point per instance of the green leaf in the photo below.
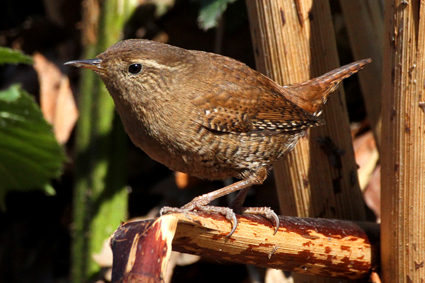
(10, 56)
(211, 11)
(29, 153)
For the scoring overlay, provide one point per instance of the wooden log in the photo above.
(325, 247)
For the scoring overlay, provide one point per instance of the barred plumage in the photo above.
(209, 115)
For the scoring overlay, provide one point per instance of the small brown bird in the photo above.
(209, 115)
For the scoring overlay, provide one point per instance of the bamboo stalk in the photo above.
(294, 43)
(364, 22)
(403, 143)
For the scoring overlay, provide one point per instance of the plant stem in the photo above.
(100, 198)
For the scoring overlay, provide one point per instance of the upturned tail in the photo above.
(313, 94)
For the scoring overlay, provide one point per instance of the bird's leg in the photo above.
(237, 203)
(205, 199)
(200, 202)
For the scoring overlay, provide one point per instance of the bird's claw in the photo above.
(225, 211)
(228, 213)
(267, 212)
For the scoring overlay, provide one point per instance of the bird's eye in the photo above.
(135, 68)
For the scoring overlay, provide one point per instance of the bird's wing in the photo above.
(231, 97)
(242, 111)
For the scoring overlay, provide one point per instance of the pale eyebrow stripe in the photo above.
(155, 64)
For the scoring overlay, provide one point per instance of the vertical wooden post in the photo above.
(403, 143)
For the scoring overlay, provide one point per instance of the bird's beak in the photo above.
(93, 64)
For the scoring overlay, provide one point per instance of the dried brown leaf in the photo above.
(56, 99)
(366, 154)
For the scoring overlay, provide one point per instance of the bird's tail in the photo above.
(313, 94)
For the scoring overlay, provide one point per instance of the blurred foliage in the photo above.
(11, 56)
(211, 12)
(29, 152)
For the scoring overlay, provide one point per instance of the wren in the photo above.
(208, 115)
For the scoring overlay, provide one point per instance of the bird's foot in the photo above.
(200, 203)
(266, 212)
(190, 207)
(228, 213)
